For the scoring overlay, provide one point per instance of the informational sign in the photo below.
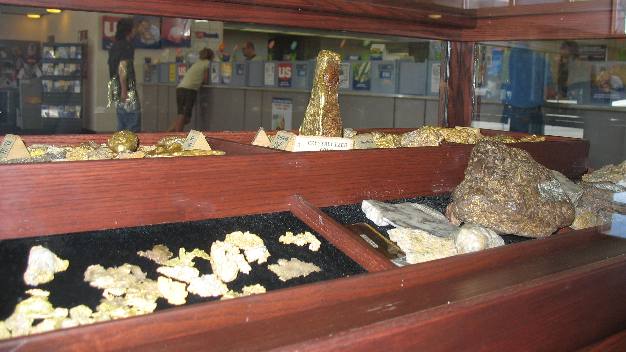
(434, 78)
(269, 74)
(226, 69)
(172, 73)
(181, 70)
(361, 75)
(240, 69)
(344, 75)
(147, 32)
(109, 26)
(285, 72)
(282, 113)
(215, 73)
(385, 71)
(175, 32)
(319, 143)
(592, 52)
(497, 58)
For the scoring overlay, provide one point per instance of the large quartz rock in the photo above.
(507, 191)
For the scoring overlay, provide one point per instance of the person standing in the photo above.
(528, 76)
(122, 84)
(249, 52)
(187, 90)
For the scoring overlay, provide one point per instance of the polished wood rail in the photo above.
(41, 199)
(339, 235)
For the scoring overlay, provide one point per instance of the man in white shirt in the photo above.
(187, 89)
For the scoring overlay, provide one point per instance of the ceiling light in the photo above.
(33, 16)
(434, 16)
(54, 10)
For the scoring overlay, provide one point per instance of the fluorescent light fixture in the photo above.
(200, 21)
(33, 16)
(435, 16)
(54, 10)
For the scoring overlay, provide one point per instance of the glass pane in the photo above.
(562, 88)
(56, 69)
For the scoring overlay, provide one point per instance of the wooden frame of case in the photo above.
(538, 294)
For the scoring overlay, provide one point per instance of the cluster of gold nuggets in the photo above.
(127, 291)
(121, 145)
(431, 136)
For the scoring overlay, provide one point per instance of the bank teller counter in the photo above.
(220, 108)
(603, 126)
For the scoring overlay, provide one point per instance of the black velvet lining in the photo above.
(116, 247)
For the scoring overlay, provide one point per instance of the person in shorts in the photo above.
(187, 90)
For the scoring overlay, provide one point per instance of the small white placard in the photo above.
(270, 74)
(283, 140)
(318, 143)
(364, 141)
(261, 139)
(13, 147)
(196, 141)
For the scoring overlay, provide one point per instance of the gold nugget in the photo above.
(123, 141)
(322, 117)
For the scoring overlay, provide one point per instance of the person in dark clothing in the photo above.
(122, 84)
(528, 75)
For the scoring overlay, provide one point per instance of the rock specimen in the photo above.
(227, 261)
(595, 206)
(507, 191)
(420, 246)
(422, 137)
(301, 239)
(610, 173)
(474, 238)
(42, 265)
(289, 269)
(410, 216)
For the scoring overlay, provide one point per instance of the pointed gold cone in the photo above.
(322, 117)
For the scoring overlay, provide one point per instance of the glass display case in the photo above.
(434, 63)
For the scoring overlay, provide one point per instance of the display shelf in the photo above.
(258, 182)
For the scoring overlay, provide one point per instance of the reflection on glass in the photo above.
(563, 88)
(56, 73)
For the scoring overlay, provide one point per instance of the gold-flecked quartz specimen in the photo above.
(507, 191)
(425, 136)
(461, 135)
(322, 116)
(123, 141)
(387, 140)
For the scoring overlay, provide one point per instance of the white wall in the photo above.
(18, 27)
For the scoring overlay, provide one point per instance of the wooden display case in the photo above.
(560, 293)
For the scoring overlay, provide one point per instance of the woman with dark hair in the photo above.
(122, 85)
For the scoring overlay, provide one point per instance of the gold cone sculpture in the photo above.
(322, 116)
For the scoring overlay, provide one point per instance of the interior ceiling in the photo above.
(20, 10)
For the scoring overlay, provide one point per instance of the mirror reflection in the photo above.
(83, 72)
(564, 88)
